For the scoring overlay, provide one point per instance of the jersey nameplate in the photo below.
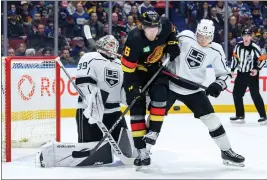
(112, 77)
(195, 58)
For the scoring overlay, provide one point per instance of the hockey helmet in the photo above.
(150, 19)
(108, 43)
(206, 28)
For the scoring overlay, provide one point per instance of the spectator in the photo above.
(218, 23)
(127, 7)
(11, 52)
(78, 48)
(63, 13)
(243, 7)
(30, 52)
(46, 52)
(62, 40)
(97, 28)
(15, 29)
(101, 14)
(257, 19)
(21, 49)
(264, 10)
(116, 9)
(257, 5)
(106, 29)
(66, 59)
(145, 6)
(38, 40)
(235, 12)
(33, 26)
(203, 12)
(26, 18)
(263, 40)
(49, 27)
(117, 29)
(130, 24)
(265, 23)
(220, 6)
(135, 14)
(70, 29)
(13, 8)
(234, 30)
(90, 6)
(80, 16)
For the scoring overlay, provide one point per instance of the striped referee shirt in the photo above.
(246, 58)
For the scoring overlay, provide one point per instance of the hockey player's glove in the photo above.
(216, 88)
(132, 92)
(173, 49)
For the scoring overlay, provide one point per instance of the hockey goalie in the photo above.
(99, 78)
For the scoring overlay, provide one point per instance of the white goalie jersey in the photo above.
(93, 71)
(191, 64)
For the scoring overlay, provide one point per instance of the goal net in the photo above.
(30, 102)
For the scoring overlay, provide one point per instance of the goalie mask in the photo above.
(205, 31)
(108, 43)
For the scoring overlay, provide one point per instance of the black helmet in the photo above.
(150, 19)
(246, 32)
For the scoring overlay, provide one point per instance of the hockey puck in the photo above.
(176, 108)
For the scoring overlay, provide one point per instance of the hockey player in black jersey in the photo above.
(142, 55)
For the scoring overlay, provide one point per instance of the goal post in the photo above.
(30, 102)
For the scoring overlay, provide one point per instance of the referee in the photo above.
(248, 60)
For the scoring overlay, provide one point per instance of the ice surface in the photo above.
(184, 150)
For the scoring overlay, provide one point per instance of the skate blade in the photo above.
(238, 121)
(263, 123)
(231, 163)
(143, 169)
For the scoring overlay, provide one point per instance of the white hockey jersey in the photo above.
(94, 70)
(191, 64)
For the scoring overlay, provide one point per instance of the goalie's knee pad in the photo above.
(213, 124)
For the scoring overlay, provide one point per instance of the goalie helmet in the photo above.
(108, 43)
(206, 28)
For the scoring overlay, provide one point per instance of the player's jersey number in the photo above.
(127, 51)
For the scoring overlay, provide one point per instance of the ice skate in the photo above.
(230, 158)
(237, 119)
(143, 159)
(263, 121)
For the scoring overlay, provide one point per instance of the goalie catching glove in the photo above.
(95, 105)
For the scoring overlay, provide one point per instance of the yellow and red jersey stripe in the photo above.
(128, 66)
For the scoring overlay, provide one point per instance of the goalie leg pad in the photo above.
(216, 131)
(56, 154)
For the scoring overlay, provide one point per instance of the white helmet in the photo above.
(206, 28)
(108, 43)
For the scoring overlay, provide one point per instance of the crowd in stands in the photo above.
(31, 23)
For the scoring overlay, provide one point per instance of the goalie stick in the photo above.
(103, 128)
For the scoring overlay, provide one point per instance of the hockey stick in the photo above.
(103, 128)
(184, 80)
(107, 135)
(163, 71)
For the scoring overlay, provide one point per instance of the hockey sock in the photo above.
(216, 131)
